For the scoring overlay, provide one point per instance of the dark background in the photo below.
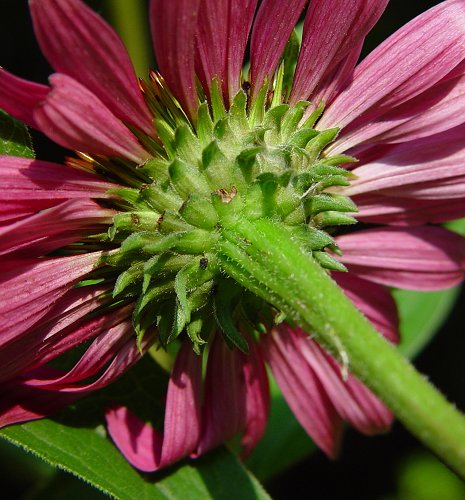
(369, 468)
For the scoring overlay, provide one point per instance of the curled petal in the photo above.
(174, 26)
(332, 29)
(303, 391)
(19, 97)
(409, 62)
(92, 54)
(75, 118)
(68, 217)
(29, 289)
(428, 168)
(375, 302)
(417, 258)
(272, 28)
(352, 400)
(142, 445)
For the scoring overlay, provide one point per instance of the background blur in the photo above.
(385, 467)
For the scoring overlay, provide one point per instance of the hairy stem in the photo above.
(261, 256)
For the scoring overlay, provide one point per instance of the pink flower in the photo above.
(124, 234)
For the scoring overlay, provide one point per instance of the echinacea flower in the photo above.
(118, 249)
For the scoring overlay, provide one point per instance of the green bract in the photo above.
(248, 161)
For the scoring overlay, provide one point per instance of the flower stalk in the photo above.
(263, 259)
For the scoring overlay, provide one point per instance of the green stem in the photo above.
(262, 258)
(129, 17)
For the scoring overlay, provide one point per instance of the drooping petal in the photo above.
(303, 391)
(75, 118)
(375, 302)
(416, 258)
(19, 97)
(142, 445)
(352, 400)
(272, 28)
(398, 211)
(332, 29)
(428, 168)
(223, 30)
(61, 329)
(29, 289)
(79, 43)
(174, 25)
(413, 59)
(440, 108)
(224, 412)
(257, 398)
(68, 217)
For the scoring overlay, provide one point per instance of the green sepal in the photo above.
(314, 115)
(186, 179)
(238, 113)
(257, 109)
(163, 266)
(160, 196)
(132, 196)
(133, 247)
(130, 278)
(325, 260)
(278, 85)
(292, 119)
(289, 58)
(157, 168)
(302, 137)
(204, 124)
(225, 303)
(170, 222)
(337, 160)
(311, 238)
(273, 119)
(216, 99)
(186, 143)
(246, 162)
(318, 143)
(329, 201)
(198, 211)
(331, 218)
(195, 242)
(166, 135)
(133, 221)
(194, 330)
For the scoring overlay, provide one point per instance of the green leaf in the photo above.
(75, 441)
(14, 137)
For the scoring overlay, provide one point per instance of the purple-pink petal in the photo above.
(409, 62)
(71, 217)
(19, 97)
(332, 29)
(375, 302)
(416, 258)
(174, 25)
(303, 391)
(77, 119)
(140, 443)
(91, 53)
(272, 28)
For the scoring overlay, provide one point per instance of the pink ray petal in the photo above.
(433, 165)
(416, 258)
(377, 208)
(272, 28)
(31, 287)
(336, 81)
(417, 56)
(440, 108)
(375, 302)
(72, 215)
(19, 97)
(142, 445)
(61, 329)
(303, 391)
(332, 29)
(352, 400)
(174, 26)
(225, 413)
(257, 402)
(79, 43)
(75, 118)
(223, 30)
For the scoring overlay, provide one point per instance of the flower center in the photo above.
(259, 160)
